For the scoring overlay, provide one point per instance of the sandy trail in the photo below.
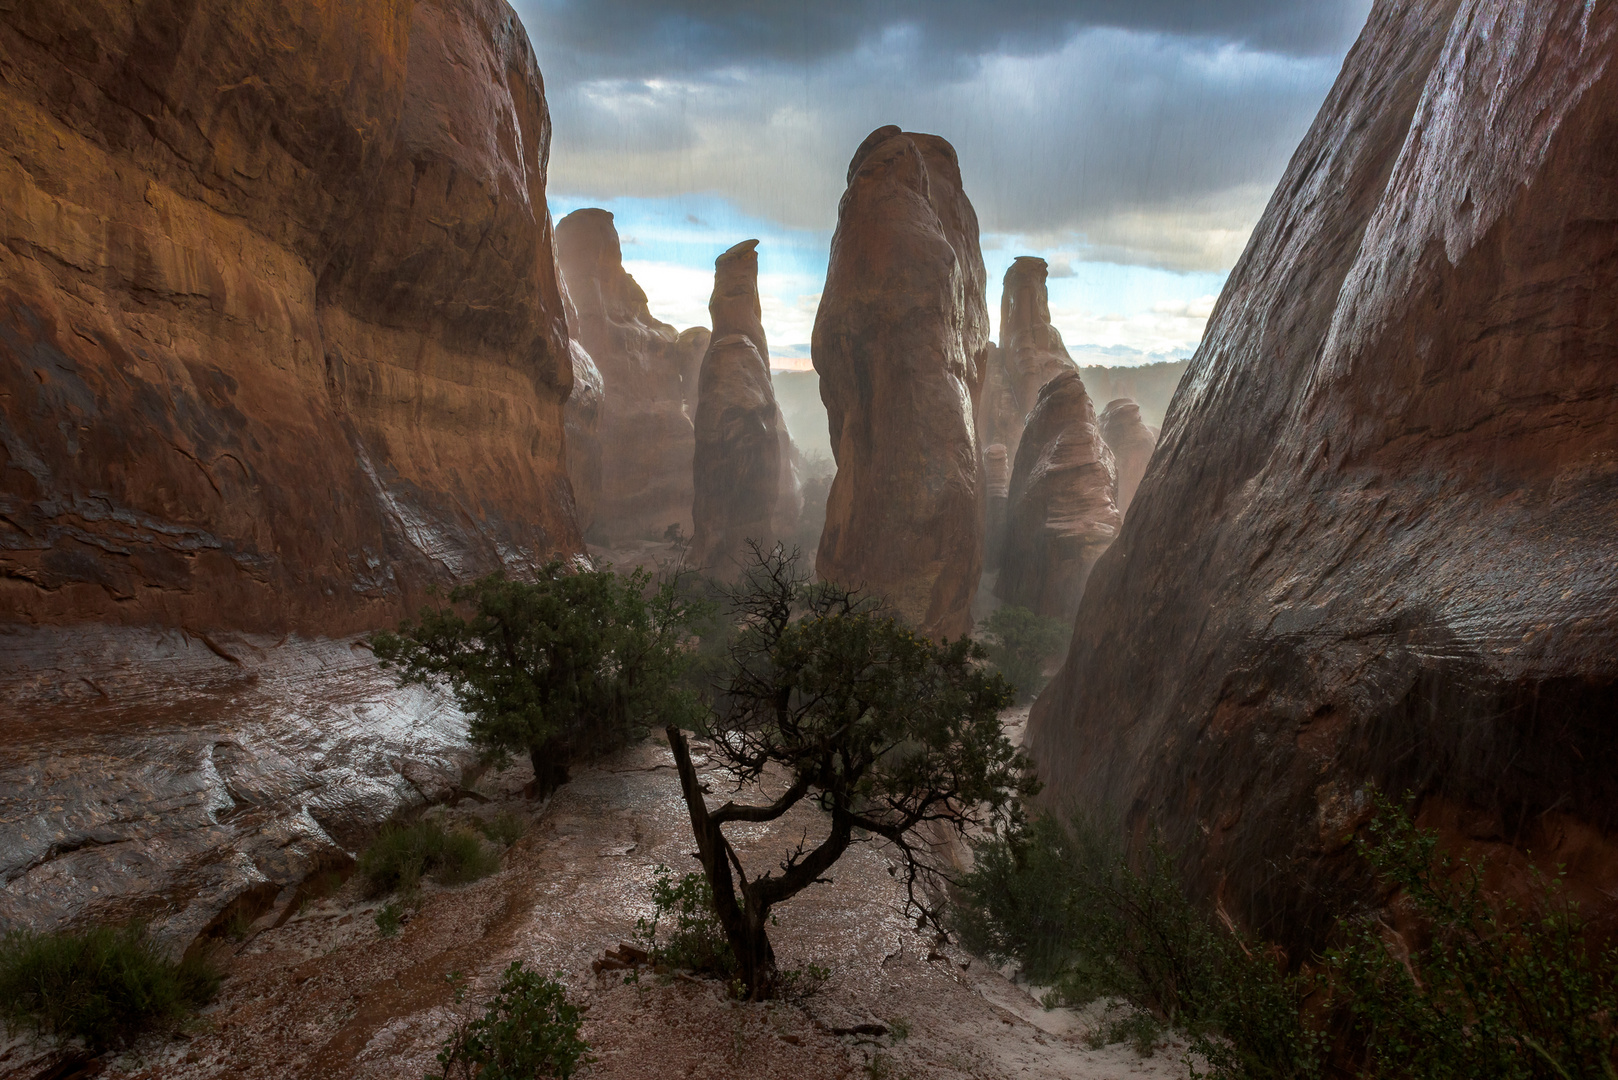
(325, 996)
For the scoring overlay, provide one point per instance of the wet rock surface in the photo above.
(1060, 513)
(322, 995)
(280, 335)
(646, 435)
(746, 483)
(1376, 543)
(901, 343)
(1031, 350)
(1131, 443)
(171, 776)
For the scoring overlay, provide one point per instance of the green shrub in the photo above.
(1019, 644)
(505, 828)
(389, 918)
(691, 935)
(406, 852)
(105, 986)
(1499, 989)
(530, 1030)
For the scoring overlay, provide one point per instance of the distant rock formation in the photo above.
(996, 490)
(1031, 349)
(1131, 443)
(900, 342)
(689, 349)
(646, 436)
(746, 483)
(583, 416)
(281, 342)
(1375, 550)
(1060, 509)
(999, 417)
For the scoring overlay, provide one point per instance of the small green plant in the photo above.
(529, 1030)
(1498, 989)
(389, 918)
(797, 985)
(104, 986)
(899, 1028)
(406, 852)
(1019, 644)
(505, 828)
(683, 931)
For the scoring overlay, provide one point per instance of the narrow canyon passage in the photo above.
(325, 995)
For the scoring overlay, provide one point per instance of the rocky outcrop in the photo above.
(746, 483)
(689, 349)
(583, 424)
(280, 335)
(1375, 547)
(646, 436)
(1131, 443)
(900, 342)
(1060, 509)
(999, 417)
(1031, 349)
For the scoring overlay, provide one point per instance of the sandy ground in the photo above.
(324, 995)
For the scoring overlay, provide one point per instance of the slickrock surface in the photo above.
(1060, 513)
(323, 995)
(280, 334)
(901, 343)
(1376, 544)
(1131, 443)
(646, 436)
(746, 486)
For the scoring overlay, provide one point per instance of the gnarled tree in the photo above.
(885, 731)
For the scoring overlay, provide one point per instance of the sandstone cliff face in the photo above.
(583, 423)
(1060, 510)
(746, 486)
(900, 342)
(1376, 543)
(689, 349)
(280, 334)
(646, 436)
(1031, 349)
(1131, 443)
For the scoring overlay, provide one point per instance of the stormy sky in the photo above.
(1132, 143)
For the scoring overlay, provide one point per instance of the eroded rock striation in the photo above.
(646, 436)
(900, 342)
(1131, 443)
(1375, 548)
(1060, 508)
(746, 483)
(281, 341)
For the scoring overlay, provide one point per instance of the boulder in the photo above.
(1060, 508)
(1375, 549)
(746, 483)
(1131, 443)
(281, 341)
(646, 436)
(901, 342)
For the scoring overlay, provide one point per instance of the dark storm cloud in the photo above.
(649, 38)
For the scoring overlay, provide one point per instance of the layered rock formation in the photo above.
(1060, 508)
(1131, 443)
(646, 436)
(900, 342)
(1375, 548)
(280, 335)
(746, 485)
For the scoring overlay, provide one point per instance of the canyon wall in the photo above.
(1375, 546)
(281, 341)
(645, 430)
(1131, 443)
(900, 343)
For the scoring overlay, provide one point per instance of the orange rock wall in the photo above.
(281, 341)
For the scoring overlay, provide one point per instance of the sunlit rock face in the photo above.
(646, 436)
(583, 423)
(1060, 513)
(1131, 443)
(1375, 547)
(901, 342)
(280, 335)
(746, 486)
(1031, 349)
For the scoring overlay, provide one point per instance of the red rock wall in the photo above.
(1376, 542)
(280, 334)
(901, 343)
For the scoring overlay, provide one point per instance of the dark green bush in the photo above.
(505, 828)
(104, 986)
(683, 931)
(406, 852)
(530, 1030)
(1019, 644)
